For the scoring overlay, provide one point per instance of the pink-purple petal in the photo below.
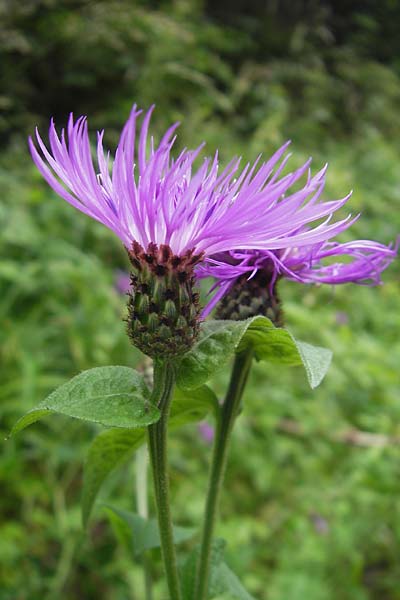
(238, 217)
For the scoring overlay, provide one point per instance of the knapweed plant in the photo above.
(182, 219)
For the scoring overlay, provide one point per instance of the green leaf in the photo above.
(110, 448)
(192, 405)
(228, 583)
(223, 580)
(143, 533)
(217, 344)
(220, 339)
(277, 345)
(316, 361)
(189, 569)
(110, 396)
(121, 529)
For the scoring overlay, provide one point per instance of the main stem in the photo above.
(229, 412)
(164, 380)
(142, 509)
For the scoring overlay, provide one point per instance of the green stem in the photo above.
(142, 509)
(229, 412)
(164, 381)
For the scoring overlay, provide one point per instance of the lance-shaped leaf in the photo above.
(222, 579)
(216, 345)
(219, 340)
(111, 396)
(141, 534)
(277, 345)
(190, 406)
(108, 450)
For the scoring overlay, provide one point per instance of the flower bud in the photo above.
(163, 308)
(250, 297)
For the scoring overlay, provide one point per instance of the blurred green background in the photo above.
(311, 509)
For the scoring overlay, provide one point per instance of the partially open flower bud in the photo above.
(163, 305)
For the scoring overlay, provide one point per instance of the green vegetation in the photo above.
(311, 509)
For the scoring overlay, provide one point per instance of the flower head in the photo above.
(146, 196)
(122, 281)
(364, 262)
(206, 431)
(254, 290)
(296, 248)
(172, 216)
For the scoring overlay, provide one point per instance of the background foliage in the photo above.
(311, 509)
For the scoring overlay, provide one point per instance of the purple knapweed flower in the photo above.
(341, 317)
(149, 198)
(299, 253)
(225, 225)
(367, 259)
(206, 431)
(122, 281)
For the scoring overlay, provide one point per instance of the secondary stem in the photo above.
(229, 411)
(164, 380)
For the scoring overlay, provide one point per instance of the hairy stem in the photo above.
(164, 380)
(229, 412)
